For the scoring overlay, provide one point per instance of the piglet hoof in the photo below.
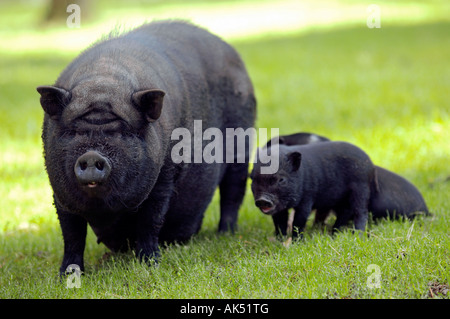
(281, 238)
(361, 233)
(297, 234)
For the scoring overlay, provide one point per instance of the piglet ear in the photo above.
(295, 158)
(53, 99)
(276, 140)
(150, 102)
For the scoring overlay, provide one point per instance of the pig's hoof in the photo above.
(149, 258)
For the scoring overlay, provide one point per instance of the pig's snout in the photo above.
(265, 204)
(92, 169)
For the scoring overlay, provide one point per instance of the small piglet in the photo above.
(324, 176)
(394, 197)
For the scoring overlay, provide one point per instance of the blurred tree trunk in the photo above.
(57, 9)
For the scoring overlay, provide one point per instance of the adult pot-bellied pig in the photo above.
(325, 176)
(393, 197)
(107, 137)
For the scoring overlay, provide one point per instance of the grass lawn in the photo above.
(385, 90)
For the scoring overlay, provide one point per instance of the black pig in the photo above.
(107, 137)
(324, 176)
(393, 197)
(297, 139)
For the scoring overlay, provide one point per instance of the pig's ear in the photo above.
(295, 158)
(270, 142)
(53, 99)
(150, 102)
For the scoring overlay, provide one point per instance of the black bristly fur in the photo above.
(324, 176)
(127, 93)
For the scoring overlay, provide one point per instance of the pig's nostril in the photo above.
(83, 166)
(99, 165)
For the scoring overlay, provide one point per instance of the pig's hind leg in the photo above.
(232, 191)
(343, 215)
(359, 201)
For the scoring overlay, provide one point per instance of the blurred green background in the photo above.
(316, 66)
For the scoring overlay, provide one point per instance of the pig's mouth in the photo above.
(95, 189)
(266, 209)
(266, 205)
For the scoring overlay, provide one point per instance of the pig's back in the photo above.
(209, 67)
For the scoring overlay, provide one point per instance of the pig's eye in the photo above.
(282, 181)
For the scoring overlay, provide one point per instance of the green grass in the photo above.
(385, 90)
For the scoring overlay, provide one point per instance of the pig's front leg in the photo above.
(74, 229)
(150, 219)
(280, 221)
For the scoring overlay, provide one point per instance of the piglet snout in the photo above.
(265, 204)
